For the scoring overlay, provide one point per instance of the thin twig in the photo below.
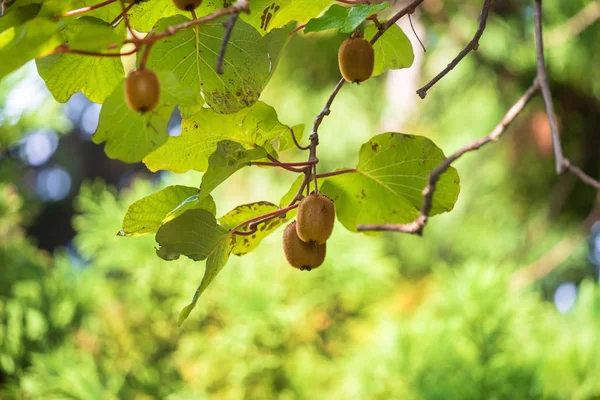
(334, 173)
(125, 14)
(66, 49)
(416, 227)
(118, 18)
(2, 7)
(575, 170)
(253, 222)
(296, 141)
(473, 45)
(542, 77)
(228, 29)
(240, 6)
(88, 8)
(417, 36)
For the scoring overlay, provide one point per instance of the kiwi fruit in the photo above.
(356, 59)
(301, 255)
(142, 90)
(316, 216)
(187, 5)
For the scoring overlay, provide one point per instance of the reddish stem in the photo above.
(334, 173)
(262, 218)
(65, 49)
(88, 8)
(283, 165)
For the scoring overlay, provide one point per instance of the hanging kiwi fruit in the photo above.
(356, 59)
(142, 90)
(301, 255)
(316, 216)
(187, 5)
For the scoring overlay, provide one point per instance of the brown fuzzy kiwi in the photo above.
(187, 5)
(301, 255)
(142, 90)
(316, 216)
(356, 59)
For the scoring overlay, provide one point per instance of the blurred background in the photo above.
(498, 300)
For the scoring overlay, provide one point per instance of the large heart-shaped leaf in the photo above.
(386, 188)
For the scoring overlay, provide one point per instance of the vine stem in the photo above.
(66, 49)
(83, 10)
(228, 29)
(334, 173)
(253, 222)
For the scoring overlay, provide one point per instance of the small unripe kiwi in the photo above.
(356, 58)
(142, 90)
(301, 255)
(187, 5)
(316, 216)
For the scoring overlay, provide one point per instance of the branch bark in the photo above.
(473, 45)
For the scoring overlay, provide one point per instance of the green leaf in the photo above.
(192, 56)
(194, 234)
(96, 77)
(386, 188)
(392, 51)
(266, 15)
(251, 127)
(131, 135)
(286, 142)
(245, 244)
(225, 161)
(146, 14)
(107, 13)
(15, 16)
(346, 19)
(215, 263)
(19, 44)
(148, 214)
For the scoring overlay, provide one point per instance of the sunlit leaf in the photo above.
(130, 135)
(19, 44)
(245, 244)
(192, 56)
(251, 127)
(228, 158)
(386, 188)
(266, 15)
(96, 77)
(148, 214)
(195, 234)
(392, 51)
(346, 19)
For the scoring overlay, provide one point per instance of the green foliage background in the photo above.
(391, 316)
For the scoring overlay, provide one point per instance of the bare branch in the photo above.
(228, 29)
(473, 45)
(416, 227)
(575, 170)
(542, 78)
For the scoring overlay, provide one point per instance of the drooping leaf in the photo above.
(346, 19)
(214, 264)
(245, 244)
(225, 161)
(254, 126)
(148, 214)
(266, 15)
(37, 37)
(386, 188)
(96, 77)
(131, 135)
(192, 56)
(392, 51)
(194, 234)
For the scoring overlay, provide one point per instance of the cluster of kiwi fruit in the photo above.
(304, 239)
(356, 59)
